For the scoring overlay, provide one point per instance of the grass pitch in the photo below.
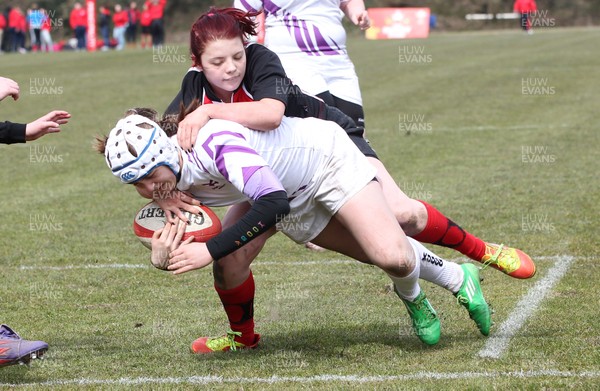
(497, 129)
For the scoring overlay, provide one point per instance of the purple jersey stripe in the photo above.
(298, 35)
(308, 39)
(212, 136)
(262, 182)
(221, 150)
(247, 172)
(322, 43)
(194, 159)
(270, 7)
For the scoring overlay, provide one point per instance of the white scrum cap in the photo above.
(136, 146)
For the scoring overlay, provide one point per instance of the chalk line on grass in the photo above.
(498, 342)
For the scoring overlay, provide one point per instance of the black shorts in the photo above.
(355, 132)
(145, 29)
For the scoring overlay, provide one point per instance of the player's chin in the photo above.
(232, 84)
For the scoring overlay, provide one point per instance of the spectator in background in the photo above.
(17, 23)
(145, 22)
(157, 28)
(78, 22)
(120, 25)
(6, 38)
(35, 19)
(2, 27)
(525, 8)
(104, 23)
(133, 18)
(46, 43)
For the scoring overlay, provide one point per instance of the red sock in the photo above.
(442, 231)
(239, 306)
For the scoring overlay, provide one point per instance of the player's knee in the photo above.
(411, 215)
(396, 260)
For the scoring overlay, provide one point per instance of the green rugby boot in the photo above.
(471, 297)
(425, 321)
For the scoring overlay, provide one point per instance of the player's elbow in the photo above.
(274, 122)
(273, 113)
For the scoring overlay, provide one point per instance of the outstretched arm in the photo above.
(49, 123)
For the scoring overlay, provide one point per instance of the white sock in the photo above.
(434, 269)
(408, 287)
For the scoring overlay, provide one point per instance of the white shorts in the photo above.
(317, 74)
(347, 171)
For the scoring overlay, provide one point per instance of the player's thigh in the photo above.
(371, 232)
(410, 213)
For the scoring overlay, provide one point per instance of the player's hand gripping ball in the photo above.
(203, 226)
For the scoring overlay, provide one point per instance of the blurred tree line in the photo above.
(180, 14)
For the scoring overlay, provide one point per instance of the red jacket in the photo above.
(17, 20)
(78, 17)
(46, 24)
(156, 10)
(120, 19)
(524, 6)
(134, 16)
(2, 22)
(146, 19)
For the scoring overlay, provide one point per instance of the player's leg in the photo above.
(461, 280)
(425, 223)
(365, 228)
(234, 284)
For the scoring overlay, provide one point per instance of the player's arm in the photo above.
(269, 206)
(229, 156)
(8, 87)
(264, 114)
(12, 133)
(355, 11)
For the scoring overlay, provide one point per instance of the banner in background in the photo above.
(90, 7)
(398, 23)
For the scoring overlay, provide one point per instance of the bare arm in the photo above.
(357, 13)
(265, 114)
(8, 87)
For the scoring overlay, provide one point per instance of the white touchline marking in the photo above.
(525, 308)
(323, 262)
(86, 266)
(257, 263)
(204, 380)
(148, 266)
(512, 127)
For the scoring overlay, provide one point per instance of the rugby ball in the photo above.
(203, 226)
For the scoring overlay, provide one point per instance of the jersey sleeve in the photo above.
(191, 88)
(12, 132)
(265, 75)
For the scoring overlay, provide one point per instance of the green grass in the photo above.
(316, 319)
